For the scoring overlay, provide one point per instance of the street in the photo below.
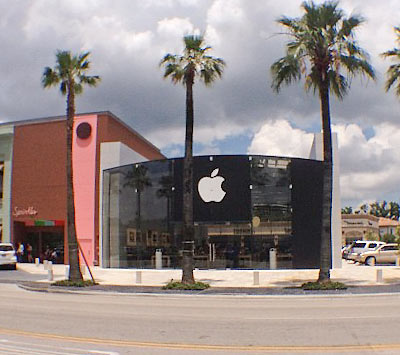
(54, 323)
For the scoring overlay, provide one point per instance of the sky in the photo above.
(239, 114)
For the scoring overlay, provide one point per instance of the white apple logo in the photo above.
(210, 188)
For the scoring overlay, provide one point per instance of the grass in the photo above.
(330, 285)
(69, 283)
(178, 285)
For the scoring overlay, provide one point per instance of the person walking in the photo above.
(20, 252)
(29, 253)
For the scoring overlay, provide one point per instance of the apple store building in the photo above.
(249, 212)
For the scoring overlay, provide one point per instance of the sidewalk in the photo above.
(350, 274)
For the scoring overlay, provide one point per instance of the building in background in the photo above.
(359, 227)
(388, 226)
(33, 172)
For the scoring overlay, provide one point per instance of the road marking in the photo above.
(180, 346)
(291, 318)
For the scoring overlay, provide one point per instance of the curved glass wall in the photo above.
(249, 211)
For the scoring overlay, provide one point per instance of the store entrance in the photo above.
(47, 242)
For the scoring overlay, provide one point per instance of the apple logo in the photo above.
(210, 188)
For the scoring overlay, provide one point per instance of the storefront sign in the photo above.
(22, 212)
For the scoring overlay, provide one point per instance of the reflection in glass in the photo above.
(142, 200)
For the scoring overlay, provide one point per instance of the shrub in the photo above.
(69, 283)
(323, 286)
(177, 285)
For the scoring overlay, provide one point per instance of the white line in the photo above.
(323, 318)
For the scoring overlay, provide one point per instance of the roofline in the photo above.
(64, 117)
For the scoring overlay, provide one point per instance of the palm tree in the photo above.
(347, 210)
(321, 46)
(193, 64)
(137, 179)
(393, 72)
(70, 73)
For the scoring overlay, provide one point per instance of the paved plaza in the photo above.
(350, 274)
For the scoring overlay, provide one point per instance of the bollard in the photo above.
(379, 275)
(138, 277)
(50, 274)
(158, 259)
(272, 259)
(256, 278)
(67, 272)
(397, 261)
(45, 264)
(37, 262)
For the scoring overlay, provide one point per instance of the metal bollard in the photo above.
(256, 278)
(67, 272)
(272, 259)
(379, 275)
(45, 264)
(138, 277)
(158, 259)
(50, 274)
(37, 262)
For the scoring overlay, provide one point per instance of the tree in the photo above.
(193, 64)
(70, 73)
(393, 72)
(363, 209)
(384, 209)
(347, 210)
(322, 46)
(137, 179)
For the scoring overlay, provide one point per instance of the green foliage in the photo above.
(347, 210)
(390, 238)
(393, 72)
(322, 48)
(331, 285)
(371, 236)
(193, 63)
(178, 285)
(71, 283)
(69, 73)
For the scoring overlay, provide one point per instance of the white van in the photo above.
(360, 246)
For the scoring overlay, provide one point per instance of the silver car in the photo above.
(385, 254)
(358, 247)
(7, 256)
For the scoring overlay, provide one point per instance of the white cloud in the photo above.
(369, 168)
(174, 27)
(225, 12)
(280, 138)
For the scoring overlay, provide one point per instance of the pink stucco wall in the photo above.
(84, 169)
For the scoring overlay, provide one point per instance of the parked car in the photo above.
(385, 254)
(8, 257)
(358, 247)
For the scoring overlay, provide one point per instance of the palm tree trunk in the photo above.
(73, 250)
(325, 254)
(139, 235)
(188, 228)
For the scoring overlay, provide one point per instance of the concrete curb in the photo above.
(271, 292)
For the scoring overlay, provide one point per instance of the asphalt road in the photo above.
(106, 323)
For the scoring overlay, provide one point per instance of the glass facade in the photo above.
(249, 212)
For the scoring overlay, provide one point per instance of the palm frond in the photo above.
(285, 71)
(393, 76)
(49, 78)
(194, 63)
(69, 71)
(323, 37)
